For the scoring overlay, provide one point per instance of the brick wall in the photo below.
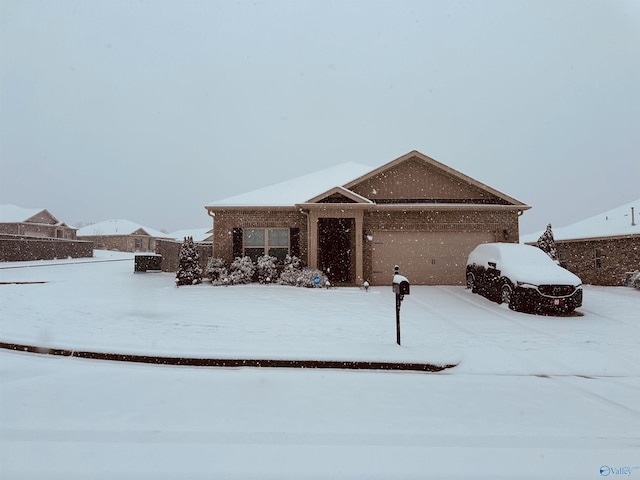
(504, 225)
(37, 230)
(15, 248)
(601, 262)
(170, 251)
(226, 221)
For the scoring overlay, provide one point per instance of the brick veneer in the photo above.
(617, 256)
(503, 225)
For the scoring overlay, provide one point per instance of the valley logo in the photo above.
(606, 470)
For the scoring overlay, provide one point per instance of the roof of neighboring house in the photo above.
(612, 223)
(15, 214)
(298, 190)
(119, 227)
(198, 234)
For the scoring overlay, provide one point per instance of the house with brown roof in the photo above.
(600, 249)
(356, 223)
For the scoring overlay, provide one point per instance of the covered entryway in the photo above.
(336, 253)
(426, 258)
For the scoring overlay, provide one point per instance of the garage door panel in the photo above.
(426, 258)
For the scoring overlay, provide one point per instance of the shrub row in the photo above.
(265, 270)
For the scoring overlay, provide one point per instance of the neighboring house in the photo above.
(199, 235)
(600, 249)
(121, 235)
(33, 222)
(356, 223)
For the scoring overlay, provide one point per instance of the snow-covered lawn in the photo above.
(531, 397)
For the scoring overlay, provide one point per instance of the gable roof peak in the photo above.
(451, 172)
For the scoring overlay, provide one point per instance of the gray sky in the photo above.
(149, 110)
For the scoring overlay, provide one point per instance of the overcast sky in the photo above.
(149, 110)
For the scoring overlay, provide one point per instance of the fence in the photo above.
(170, 251)
(16, 248)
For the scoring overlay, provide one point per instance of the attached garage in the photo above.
(426, 258)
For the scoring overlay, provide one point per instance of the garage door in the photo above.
(425, 258)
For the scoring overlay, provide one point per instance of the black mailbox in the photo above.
(400, 285)
(400, 288)
(400, 282)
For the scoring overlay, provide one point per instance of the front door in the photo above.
(335, 248)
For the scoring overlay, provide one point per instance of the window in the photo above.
(138, 244)
(271, 241)
(597, 258)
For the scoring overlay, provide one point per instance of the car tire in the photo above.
(506, 295)
(471, 283)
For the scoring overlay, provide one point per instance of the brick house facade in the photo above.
(601, 249)
(121, 235)
(37, 223)
(413, 212)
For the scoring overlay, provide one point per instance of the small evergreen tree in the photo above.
(547, 244)
(189, 271)
(266, 268)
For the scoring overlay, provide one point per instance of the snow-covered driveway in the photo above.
(532, 396)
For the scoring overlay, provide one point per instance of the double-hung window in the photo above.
(266, 241)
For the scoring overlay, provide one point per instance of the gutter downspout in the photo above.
(213, 232)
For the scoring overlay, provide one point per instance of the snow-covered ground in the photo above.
(531, 396)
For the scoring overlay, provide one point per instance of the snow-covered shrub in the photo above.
(633, 280)
(241, 271)
(297, 275)
(291, 271)
(310, 278)
(266, 268)
(189, 271)
(216, 270)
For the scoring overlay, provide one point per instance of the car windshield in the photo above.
(516, 254)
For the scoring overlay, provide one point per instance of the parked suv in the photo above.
(522, 276)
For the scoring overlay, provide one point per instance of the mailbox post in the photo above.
(400, 288)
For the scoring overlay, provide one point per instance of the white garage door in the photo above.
(425, 258)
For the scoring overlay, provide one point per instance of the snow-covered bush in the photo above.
(633, 280)
(189, 271)
(266, 269)
(241, 271)
(291, 271)
(216, 270)
(311, 277)
(297, 275)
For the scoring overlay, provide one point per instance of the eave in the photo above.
(449, 206)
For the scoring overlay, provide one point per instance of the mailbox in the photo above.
(400, 285)
(400, 288)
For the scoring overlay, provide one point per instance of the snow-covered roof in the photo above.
(118, 227)
(15, 214)
(298, 190)
(198, 234)
(612, 223)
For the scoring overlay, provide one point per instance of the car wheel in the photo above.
(506, 294)
(471, 283)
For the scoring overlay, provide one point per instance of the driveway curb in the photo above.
(229, 362)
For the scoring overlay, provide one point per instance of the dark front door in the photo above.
(335, 252)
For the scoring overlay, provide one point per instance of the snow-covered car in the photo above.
(522, 276)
